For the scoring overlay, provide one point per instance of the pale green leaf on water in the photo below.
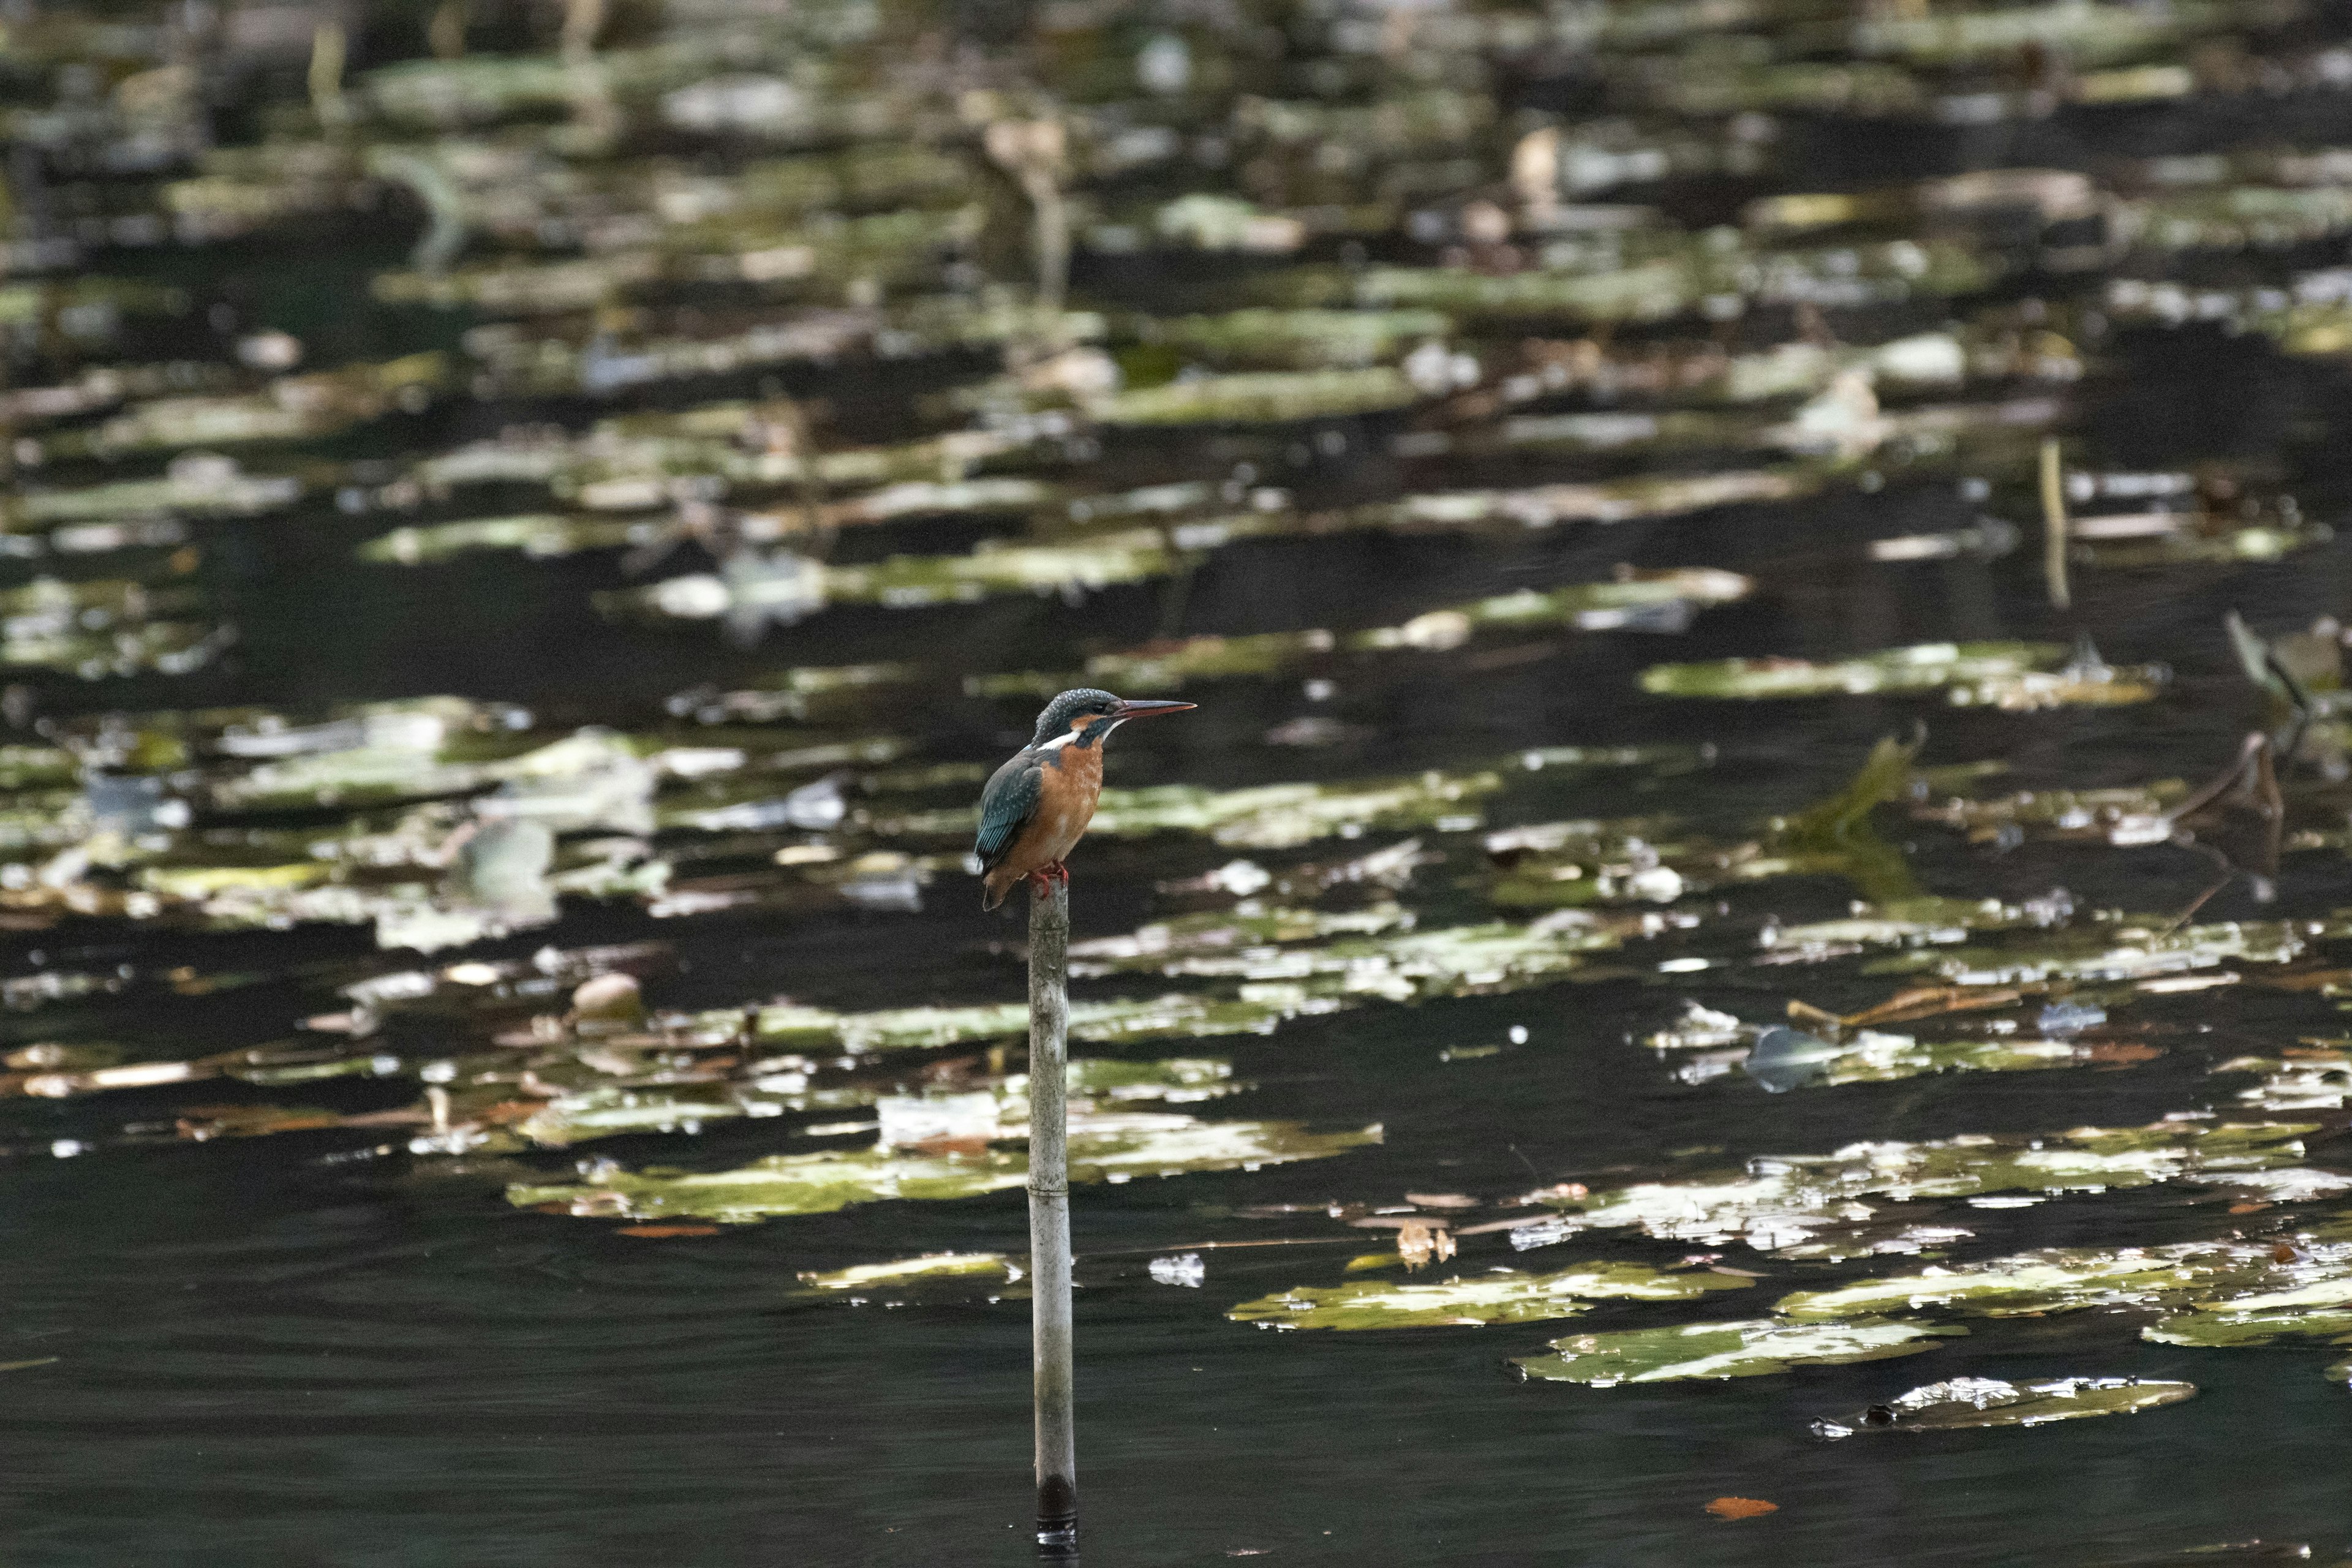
(1874, 1056)
(2057, 1280)
(2307, 1297)
(1273, 817)
(28, 1365)
(1104, 1147)
(993, 1266)
(2130, 949)
(1500, 1296)
(1258, 398)
(538, 534)
(2229, 1329)
(1297, 340)
(1986, 674)
(1613, 500)
(1755, 1347)
(1964, 1404)
(1825, 1205)
(1251, 925)
(1662, 601)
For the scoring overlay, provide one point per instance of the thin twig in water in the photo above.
(2054, 525)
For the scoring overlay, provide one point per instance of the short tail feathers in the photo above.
(991, 891)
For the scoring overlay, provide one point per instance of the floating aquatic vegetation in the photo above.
(1297, 339)
(1499, 1296)
(1756, 1347)
(2062, 1279)
(1662, 601)
(1273, 817)
(1259, 398)
(1812, 1206)
(1248, 925)
(1115, 1147)
(294, 409)
(1638, 288)
(1783, 1059)
(2019, 676)
(2310, 1077)
(1964, 1404)
(194, 484)
(990, 1268)
(2128, 949)
(2125, 815)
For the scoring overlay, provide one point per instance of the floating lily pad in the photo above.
(1751, 1348)
(2002, 675)
(1800, 1205)
(2058, 1279)
(1104, 1148)
(992, 1267)
(1965, 1403)
(1501, 1296)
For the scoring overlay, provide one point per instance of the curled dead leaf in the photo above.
(1740, 1507)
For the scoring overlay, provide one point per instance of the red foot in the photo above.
(1043, 878)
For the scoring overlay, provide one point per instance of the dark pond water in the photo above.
(343, 1286)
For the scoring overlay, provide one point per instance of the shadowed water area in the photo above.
(1755, 906)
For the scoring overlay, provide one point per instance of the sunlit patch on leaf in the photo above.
(1755, 1347)
(1964, 1402)
(2000, 675)
(1500, 1296)
(1108, 1147)
(987, 1267)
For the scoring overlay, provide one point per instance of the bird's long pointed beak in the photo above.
(1149, 708)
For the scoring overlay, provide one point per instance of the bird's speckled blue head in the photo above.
(1061, 715)
(1083, 717)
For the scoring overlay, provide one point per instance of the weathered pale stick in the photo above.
(1049, 1217)
(2054, 526)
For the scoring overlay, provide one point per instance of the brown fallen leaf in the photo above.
(2309, 979)
(661, 1232)
(1441, 1200)
(1926, 1002)
(2283, 1253)
(2120, 1053)
(2248, 1208)
(1740, 1507)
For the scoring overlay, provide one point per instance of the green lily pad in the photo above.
(1754, 1347)
(991, 1267)
(1816, 1205)
(2058, 1279)
(2002, 675)
(1501, 1296)
(1966, 1403)
(1112, 1147)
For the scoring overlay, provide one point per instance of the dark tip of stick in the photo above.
(1057, 1520)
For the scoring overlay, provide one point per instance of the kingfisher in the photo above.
(1039, 802)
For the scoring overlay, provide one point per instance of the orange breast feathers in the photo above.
(1068, 786)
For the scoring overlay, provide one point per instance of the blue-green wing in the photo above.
(1009, 801)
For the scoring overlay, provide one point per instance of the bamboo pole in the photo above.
(1051, 1328)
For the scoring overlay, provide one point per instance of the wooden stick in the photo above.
(1051, 1328)
(2054, 526)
